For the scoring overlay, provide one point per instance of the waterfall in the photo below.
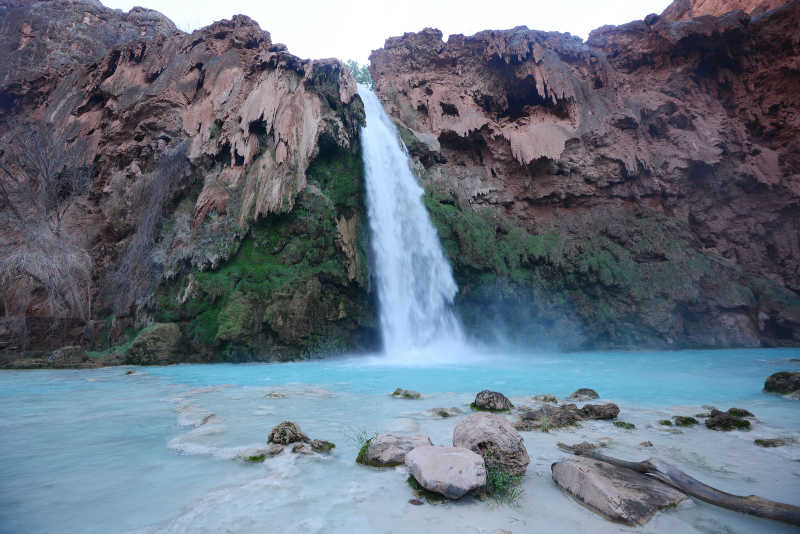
(414, 279)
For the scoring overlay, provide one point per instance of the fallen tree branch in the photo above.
(672, 476)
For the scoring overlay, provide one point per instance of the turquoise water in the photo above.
(101, 451)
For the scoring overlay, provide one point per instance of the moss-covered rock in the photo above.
(157, 344)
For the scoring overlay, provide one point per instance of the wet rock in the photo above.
(625, 425)
(449, 471)
(585, 446)
(302, 448)
(321, 446)
(724, 421)
(739, 412)
(783, 382)
(286, 433)
(259, 454)
(415, 502)
(491, 401)
(646, 444)
(600, 411)
(549, 417)
(773, 442)
(583, 394)
(157, 344)
(617, 494)
(387, 450)
(545, 398)
(493, 437)
(406, 394)
(665, 422)
(446, 412)
(682, 420)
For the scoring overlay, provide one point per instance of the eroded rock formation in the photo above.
(638, 189)
(226, 188)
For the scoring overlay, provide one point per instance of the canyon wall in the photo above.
(639, 189)
(225, 192)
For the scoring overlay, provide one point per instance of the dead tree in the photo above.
(672, 476)
(40, 178)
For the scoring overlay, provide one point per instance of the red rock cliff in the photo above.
(641, 188)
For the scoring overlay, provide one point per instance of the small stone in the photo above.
(598, 411)
(406, 394)
(302, 448)
(739, 412)
(623, 424)
(584, 394)
(775, 442)
(415, 502)
(646, 444)
(491, 401)
(665, 422)
(286, 433)
(682, 420)
(322, 446)
(724, 421)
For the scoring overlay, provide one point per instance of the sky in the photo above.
(351, 29)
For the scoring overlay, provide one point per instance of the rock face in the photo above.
(637, 189)
(450, 471)
(387, 450)
(687, 9)
(615, 493)
(491, 401)
(493, 437)
(226, 191)
(782, 382)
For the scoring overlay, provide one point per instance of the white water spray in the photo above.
(415, 282)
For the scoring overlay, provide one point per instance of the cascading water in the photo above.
(415, 282)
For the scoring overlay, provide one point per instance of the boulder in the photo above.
(493, 437)
(783, 382)
(615, 493)
(302, 448)
(157, 344)
(491, 401)
(387, 450)
(584, 394)
(450, 471)
(286, 433)
(598, 411)
(406, 394)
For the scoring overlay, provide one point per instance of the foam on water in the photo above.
(100, 451)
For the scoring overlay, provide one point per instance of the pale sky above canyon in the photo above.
(351, 29)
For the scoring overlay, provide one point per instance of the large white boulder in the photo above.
(450, 471)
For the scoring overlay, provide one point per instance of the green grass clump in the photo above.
(777, 442)
(682, 420)
(362, 452)
(502, 486)
(623, 424)
(665, 422)
(255, 459)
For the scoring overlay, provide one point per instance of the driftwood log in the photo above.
(672, 476)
